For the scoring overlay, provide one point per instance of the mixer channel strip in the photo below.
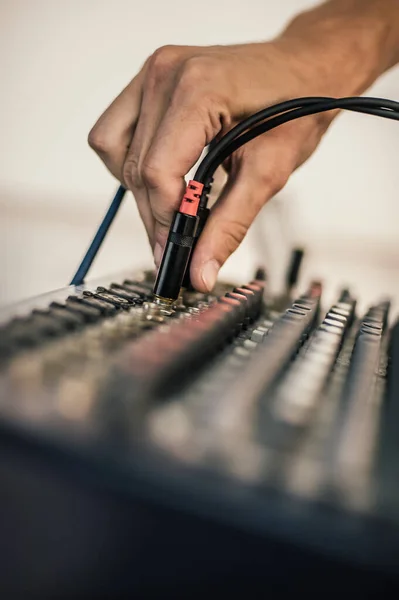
(296, 397)
(359, 392)
(60, 318)
(170, 355)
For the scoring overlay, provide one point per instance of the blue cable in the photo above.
(98, 239)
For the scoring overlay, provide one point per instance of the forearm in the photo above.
(352, 41)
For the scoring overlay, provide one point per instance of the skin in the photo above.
(156, 129)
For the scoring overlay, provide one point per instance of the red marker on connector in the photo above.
(179, 245)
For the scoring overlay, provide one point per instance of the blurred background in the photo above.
(63, 62)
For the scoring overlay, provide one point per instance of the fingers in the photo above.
(158, 86)
(259, 171)
(156, 130)
(111, 135)
(174, 151)
(192, 119)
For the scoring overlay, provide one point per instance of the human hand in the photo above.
(156, 129)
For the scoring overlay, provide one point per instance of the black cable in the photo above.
(284, 107)
(371, 106)
(98, 239)
(374, 106)
(257, 125)
(280, 120)
(245, 131)
(252, 120)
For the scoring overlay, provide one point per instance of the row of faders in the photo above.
(244, 379)
(111, 351)
(57, 362)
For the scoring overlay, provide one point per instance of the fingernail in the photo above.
(209, 273)
(157, 254)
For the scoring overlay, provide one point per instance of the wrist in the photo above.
(342, 46)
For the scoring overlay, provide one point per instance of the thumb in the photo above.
(241, 200)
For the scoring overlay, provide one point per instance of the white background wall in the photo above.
(64, 61)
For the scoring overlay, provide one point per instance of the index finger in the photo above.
(189, 124)
(111, 135)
